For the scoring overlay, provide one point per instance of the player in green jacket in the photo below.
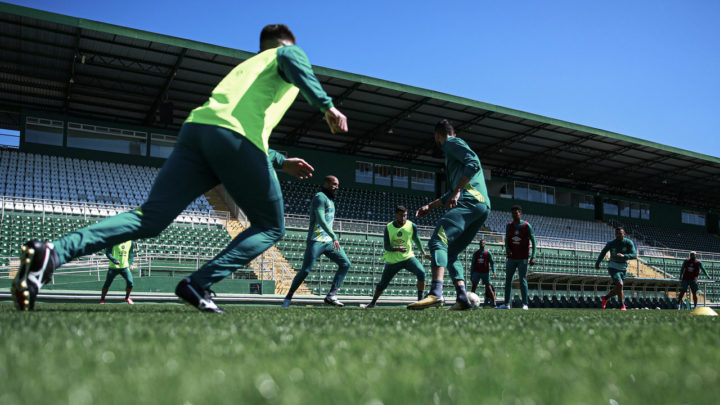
(621, 250)
(398, 239)
(321, 240)
(122, 259)
(223, 141)
(468, 206)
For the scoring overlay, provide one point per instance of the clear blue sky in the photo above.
(648, 69)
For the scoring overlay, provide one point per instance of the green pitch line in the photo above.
(119, 354)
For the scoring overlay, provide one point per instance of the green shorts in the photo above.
(617, 275)
(477, 276)
(692, 284)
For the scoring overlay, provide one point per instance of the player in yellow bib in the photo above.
(223, 141)
(398, 238)
(122, 259)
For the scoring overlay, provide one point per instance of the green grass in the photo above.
(117, 354)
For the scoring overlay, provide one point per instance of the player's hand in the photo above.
(532, 261)
(427, 256)
(117, 262)
(452, 201)
(336, 120)
(336, 245)
(422, 211)
(297, 167)
(400, 249)
(597, 267)
(133, 267)
(620, 255)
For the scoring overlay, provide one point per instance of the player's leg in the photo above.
(475, 279)
(127, 275)
(109, 277)
(414, 266)
(473, 217)
(694, 288)
(343, 263)
(511, 265)
(522, 279)
(489, 290)
(684, 284)
(389, 272)
(249, 178)
(313, 250)
(183, 177)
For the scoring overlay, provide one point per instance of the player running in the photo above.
(621, 250)
(322, 240)
(468, 206)
(122, 257)
(482, 263)
(398, 238)
(689, 273)
(223, 141)
(518, 236)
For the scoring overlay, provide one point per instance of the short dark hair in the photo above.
(516, 207)
(400, 208)
(619, 228)
(272, 34)
(444, 128)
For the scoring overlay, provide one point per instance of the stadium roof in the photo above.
(61, 64)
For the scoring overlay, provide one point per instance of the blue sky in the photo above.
(648, 69)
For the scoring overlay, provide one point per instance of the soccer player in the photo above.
(398, 238)
(468, 206)
(621, 250)
(122, 257)
(689, 273)
(322, 240)
(223, 141)
(518, 236)
(482, 263)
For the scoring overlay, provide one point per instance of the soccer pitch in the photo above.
(171, 354)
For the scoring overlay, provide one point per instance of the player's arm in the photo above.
(473, 263)
(418, 242)
(295, 167)
(294, 67)
(108, 254)
(601, 256)
(682, 269)
(131, 254)
(632, 254)
(425, 209)
(491, 261)
(531, 235)
(386, 241)
(703, 269)
(471, 166)
(508, 250)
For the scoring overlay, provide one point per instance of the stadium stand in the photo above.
(672, 238)
(38, 176)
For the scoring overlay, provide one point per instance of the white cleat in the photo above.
(525, 308)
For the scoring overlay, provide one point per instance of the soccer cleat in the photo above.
(38, 261)
(186, 292)
(427, 302)
(102, 302)
(525, 308)
(679, 307)
(503, 306)
(332, 300)
(623, 308)
(460, 306)
(129, 301)
(604, 301)
(286, 303)
(367, 306)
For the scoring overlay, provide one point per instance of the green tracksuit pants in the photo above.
(391, 269)
(204, 156)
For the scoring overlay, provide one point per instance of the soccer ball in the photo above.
(474, 299)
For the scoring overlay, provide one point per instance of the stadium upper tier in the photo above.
(554, 227)
(59, 178)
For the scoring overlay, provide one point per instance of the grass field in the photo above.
(170, 354)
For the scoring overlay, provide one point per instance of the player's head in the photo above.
(693, 255)
(516, 212)
(274, 35)
(330, 186)
(482, 244)
(443, 129)
(400, 215)
(619, 233)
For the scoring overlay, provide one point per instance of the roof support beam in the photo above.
(162, 94)
(359, 142)
(71, 78)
